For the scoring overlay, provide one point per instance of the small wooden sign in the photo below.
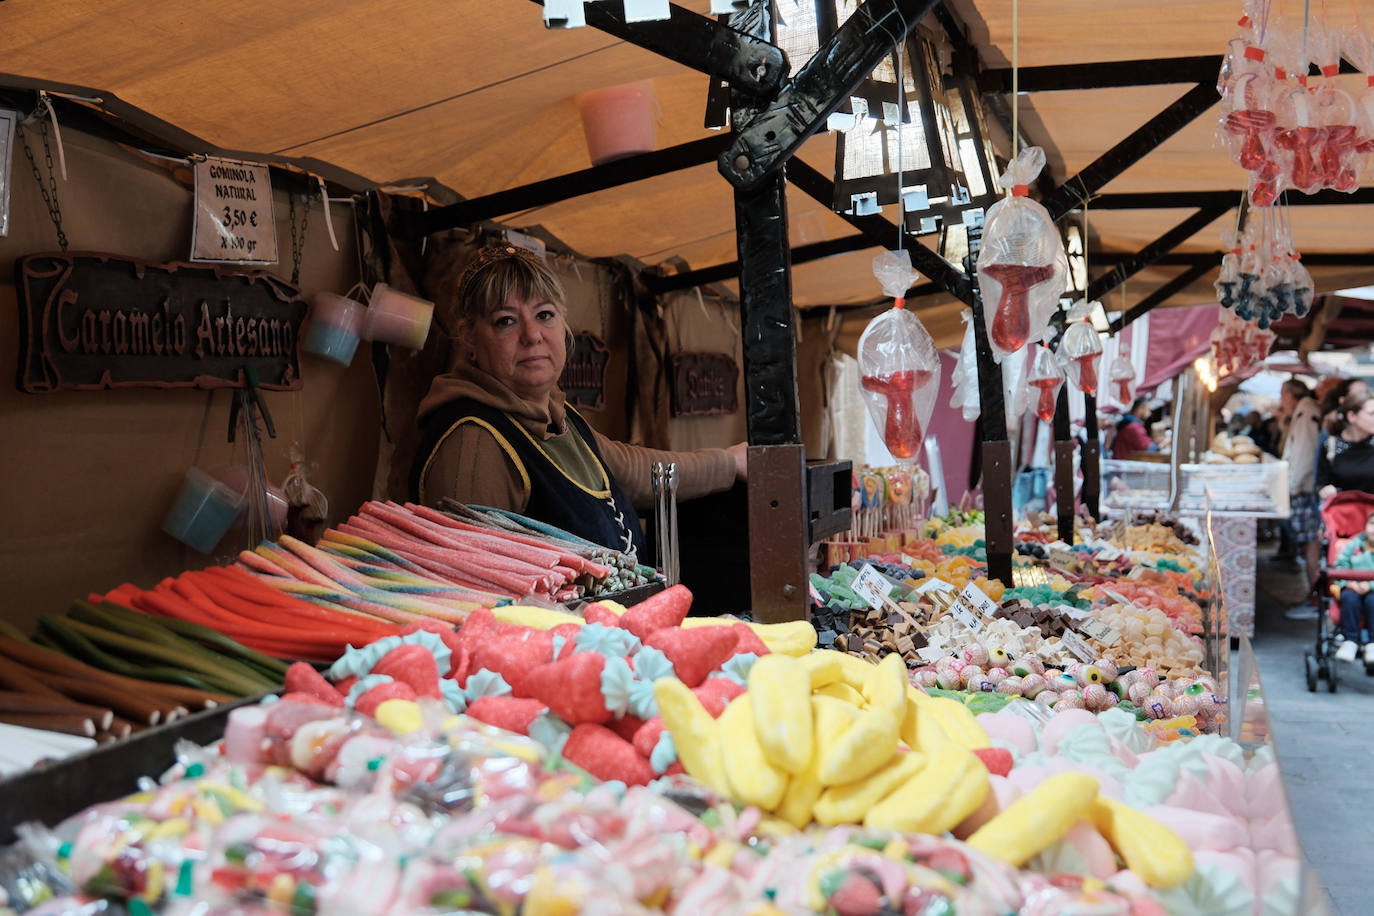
(584, 374)
(92, 321)
(704, 384)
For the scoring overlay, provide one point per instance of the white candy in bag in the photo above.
(965, 376)
(1121, 375)
(1080, 349)
(899, 367)
(1022, 268)
(1045, 375)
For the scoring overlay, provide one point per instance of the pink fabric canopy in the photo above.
(1177, 337)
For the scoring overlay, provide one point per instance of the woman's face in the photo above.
(523, 343)
(1362, 420)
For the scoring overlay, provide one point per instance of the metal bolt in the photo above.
(788, 591)
(760, 70)
(742, 162)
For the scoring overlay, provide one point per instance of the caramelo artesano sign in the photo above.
(90, 321)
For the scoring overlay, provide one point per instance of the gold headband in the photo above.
(488, 256)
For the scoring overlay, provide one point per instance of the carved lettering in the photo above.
(139, 344)
(69, 344)
(121, 332)
(205, 332)
(704, 384)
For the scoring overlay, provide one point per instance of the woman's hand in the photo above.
(1326, 492)
(740, 452)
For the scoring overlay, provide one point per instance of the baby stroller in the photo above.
(1343, 517)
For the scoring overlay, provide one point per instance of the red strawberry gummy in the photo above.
(303, 678)
(514, 656)
(715, 693)
(668, 608)
(413, 665)
(599, 613)
(748, 640)
(571, 688)
(393, 690)
(511, 713)
(606, 755)
(695, 653)
(998, 760)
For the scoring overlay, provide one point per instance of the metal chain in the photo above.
(49, 190)
(298, 241)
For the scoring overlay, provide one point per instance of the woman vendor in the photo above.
(496, 431)
(1346, 459)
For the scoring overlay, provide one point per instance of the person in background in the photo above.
(1131, 434)
(496, 430)
(1346, 460)
(1302, 417)
(1357, 599)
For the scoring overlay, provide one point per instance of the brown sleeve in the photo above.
(707, 470)
(472, 466)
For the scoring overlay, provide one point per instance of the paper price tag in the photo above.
(1107, 554)
(1099, 631)
(1117, 597)
(931, 654)
(933, 585)
(1062, 557)
(872, 586)
(1075, 644)
(1072, 613)
(979, 600)
(232, 218)
(908, 560)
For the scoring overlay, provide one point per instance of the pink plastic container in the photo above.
(396, 318)
(619, 120)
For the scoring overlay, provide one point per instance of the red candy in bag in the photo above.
(1022, 268)
(898, 364)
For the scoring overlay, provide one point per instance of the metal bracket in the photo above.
(777, 533)
(829, 488)
(749, 64)
(819, 88)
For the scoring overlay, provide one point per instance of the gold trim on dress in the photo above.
(500, 440)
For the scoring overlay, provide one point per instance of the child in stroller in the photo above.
(1356, 596)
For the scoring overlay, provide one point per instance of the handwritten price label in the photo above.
(1075, 644)
(233, 213)
(872, 586)
(1099, 631)
(971, 606)
(933, 585)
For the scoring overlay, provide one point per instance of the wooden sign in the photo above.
(92, 321)
(704, 384)
(584, 374)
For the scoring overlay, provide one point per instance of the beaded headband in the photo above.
(488, 256)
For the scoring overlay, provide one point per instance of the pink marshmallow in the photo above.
(1063, 723)
(1201, 830)
(1010, 729)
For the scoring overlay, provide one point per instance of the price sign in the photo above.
(908, 560)
(1099, 631)
(1075, 644)
(872, 586)
(971, 606)
(931, 654)
(233, 213)
(1107, 553)
(1062, 556)
(1072, 613)
(1117, 596)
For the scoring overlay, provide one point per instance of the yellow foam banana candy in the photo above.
(955, 719)
(752, 778)
(849, 802)
(824, 666)
(864, 747)
(841, 691)
(949, 788)
(832, 717)
(854, 670)
(1150, 849)
(695, 733)
(886, 686)
(540, 618)
(921, 730)
(780, 692)
(1037, 820)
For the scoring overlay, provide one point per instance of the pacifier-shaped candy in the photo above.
(899, 373)
(1080, 349)
(1046, 375)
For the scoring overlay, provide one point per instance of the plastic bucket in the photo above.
(203, 512)
(395, 318)
(335, 323)
(619, 120)
(236, 478)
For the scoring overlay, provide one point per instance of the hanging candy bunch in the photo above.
(1283, 131)
(1046, 375)
(899, 366)
(1080, 349)
(1238, 344)
(1022, 268)
(1121, 375)
(1262, 278)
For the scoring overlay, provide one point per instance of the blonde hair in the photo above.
(499, 271)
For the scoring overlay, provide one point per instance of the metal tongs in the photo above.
(664, 479)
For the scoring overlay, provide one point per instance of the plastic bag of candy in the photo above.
(1022, 268)
(1046, 376)
(1080, 349)
(898, 364)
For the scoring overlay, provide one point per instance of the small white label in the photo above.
(1061, 557)
(908, 559)
(1107, 554)
(232, 218)
(872, 586)
(1072, 613)
(1075, 644)
(1117, 596)
(1099, 631)
(979, 600)
(931, 654)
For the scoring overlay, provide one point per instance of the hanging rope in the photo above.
(1015, 78)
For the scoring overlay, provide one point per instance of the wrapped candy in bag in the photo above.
(965, 376)
(1022, 268)
(1046, 376)
(1121, 376)
(898, 364)
(1080, 349)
